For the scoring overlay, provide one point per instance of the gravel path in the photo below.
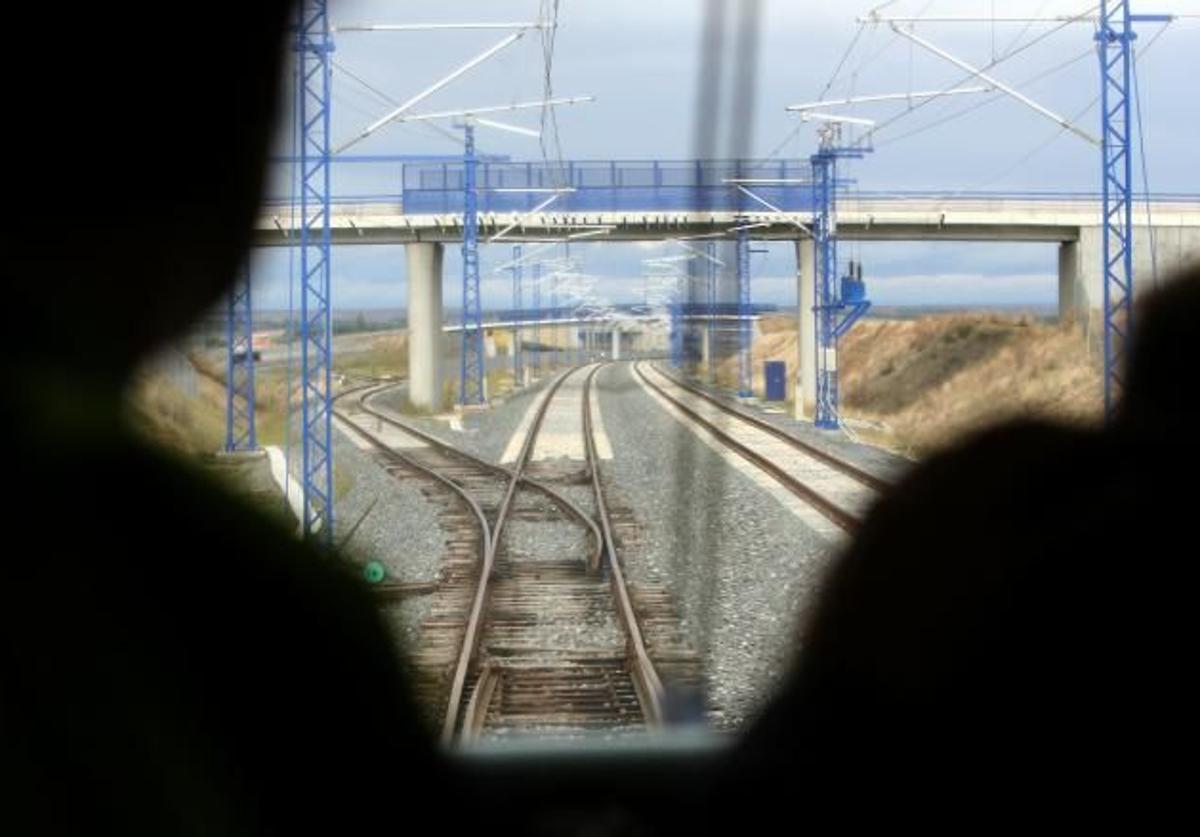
(483, 433)
(401, 530)
(742, 569)
(874, 460)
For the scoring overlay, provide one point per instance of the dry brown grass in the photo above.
(931, 380)
(174, 419)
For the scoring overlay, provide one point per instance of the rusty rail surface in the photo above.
(835, 513)
(646, 678)
(853, 471)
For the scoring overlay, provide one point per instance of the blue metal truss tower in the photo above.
(518, 312)
(470, 382)
(554, 329)
(1114, 39)
(239, 368)
(745, 333)
(710, 250)
(537, 318)
(828, 306)
(314, 48)
(676, 333)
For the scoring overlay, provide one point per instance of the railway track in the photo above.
(532, 628)
(837, 489)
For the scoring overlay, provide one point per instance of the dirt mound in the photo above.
(934, 379)
(925, 382)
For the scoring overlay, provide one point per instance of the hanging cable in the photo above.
(548, 18)
(429, 127)
(869, 136)
(1090, 52)
(1046, 143)
(865, 62)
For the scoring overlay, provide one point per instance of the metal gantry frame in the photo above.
(1114, 40)
(314, 48)
(827, 305)
(240, 434)
(471, 367)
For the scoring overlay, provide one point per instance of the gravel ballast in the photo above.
(401, 530)
(742, 569)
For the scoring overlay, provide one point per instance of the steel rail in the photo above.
(645, 676)
(835, 513)
(853, 471)
(515, 476)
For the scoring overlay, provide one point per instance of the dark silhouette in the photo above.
(1007, 629)
(170, 663)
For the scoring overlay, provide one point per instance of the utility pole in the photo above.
(471, 367)
(1114, 42)
(314, 48)
(518, 304)
(745, 336)
(239, 367)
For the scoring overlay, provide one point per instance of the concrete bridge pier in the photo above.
(805, 391)
(424, 324)
(1081, 269)
(616, 344)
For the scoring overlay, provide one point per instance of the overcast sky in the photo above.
(641, 60)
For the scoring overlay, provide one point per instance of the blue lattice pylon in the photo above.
(827, 305)
(470, 381)
(518, 305)
(537, 318)
(239, 370)
(1114, 39)
(710, 251)
(745, 330)
(314, 48)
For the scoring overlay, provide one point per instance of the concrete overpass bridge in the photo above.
(625, 201)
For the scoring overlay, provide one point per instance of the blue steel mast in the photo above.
(239, 367)
(518, 305)
(470, 384)
(710, 251)
(828, 305)
(1114, 39)
(745, 381)
(314, 47)
(537, 318)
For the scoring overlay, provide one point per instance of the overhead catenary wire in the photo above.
(391, 101)
(862, 65)
(1041, 146)
(870, 135)
(992, 99)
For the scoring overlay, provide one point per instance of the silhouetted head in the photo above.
(137, 148)
(1159, 396)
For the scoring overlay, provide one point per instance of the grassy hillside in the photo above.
(924, 382)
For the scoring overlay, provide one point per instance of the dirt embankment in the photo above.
(934, 379)
(926, 382)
